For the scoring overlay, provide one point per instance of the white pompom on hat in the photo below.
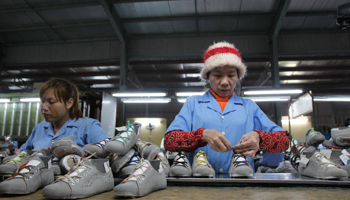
(223, 54)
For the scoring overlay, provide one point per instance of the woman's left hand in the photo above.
(248, 145)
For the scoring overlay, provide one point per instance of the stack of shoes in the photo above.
(65, 146)
(130, 166)
(181, 166)
(313, 138)
(29, 177)
(87, 177)
(341, 136)
(147, 150)
(319, 166)
(163, 161)
(124, 141)
(329, 144)
(98, 149)
(240, 167)
(119, 161)
(147, 177)
(201, 167)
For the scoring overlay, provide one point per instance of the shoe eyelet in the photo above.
(85, 174)
(72, 183)
(77, 180)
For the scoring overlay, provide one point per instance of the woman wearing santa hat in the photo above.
(221, 123)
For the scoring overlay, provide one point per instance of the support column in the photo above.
(275, 77)
(122, 84)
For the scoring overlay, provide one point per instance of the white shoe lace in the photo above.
(138, 173)
(323, 160)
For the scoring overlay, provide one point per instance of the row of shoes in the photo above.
(340, 138)
(311, 162)
(87, 172)
(181, 167)
(340, 141)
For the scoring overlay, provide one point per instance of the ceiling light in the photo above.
(331, 99)
(4, 100)
(187, 94)
(29, 100)
(146, 100)
(181, 100)
(295, 120)
(160, 94)
(257, 92)
(266, 99)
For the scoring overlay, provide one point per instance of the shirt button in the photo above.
(222, 117)
(223, 133)
(221, 170)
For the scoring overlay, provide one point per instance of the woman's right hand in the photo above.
(216, 140)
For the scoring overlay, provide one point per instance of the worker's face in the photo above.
(222, 80)
(52, 109)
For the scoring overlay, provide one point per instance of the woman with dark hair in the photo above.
(63, 118)
(220, 123)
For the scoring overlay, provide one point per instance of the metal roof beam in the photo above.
(278, 20)
(114, 19)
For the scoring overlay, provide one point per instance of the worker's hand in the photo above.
(7, 152)
(216, 140)
(248, 145)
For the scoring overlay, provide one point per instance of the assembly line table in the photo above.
(262, 186)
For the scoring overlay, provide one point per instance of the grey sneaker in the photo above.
(163, 161)
(240, 167)
(65, 146)
(11, 165)
(87, 178)
(118, 161)
(67, 162)
(319, 166)
(98, 148)
(201, 167)
(341, 136)
(147, 177)
(313, 138)
(297, 151)
(30, 177)
(346, 168)
(125, 140)
(181, 166)
(130, 166)
(147, 150)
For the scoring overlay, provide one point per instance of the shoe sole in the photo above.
(241, 176)
(133, 195)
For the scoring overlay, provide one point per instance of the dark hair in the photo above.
(64, 90)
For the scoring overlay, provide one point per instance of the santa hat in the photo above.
(223, 54)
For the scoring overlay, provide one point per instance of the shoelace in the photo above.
(102, 143)
(139, 171)
(181, 160)
(202, 159)
(135, 159)
(76, 169)
(124, 135)
(26, 170)
(239, 159)
(17, 159)
(323, 160)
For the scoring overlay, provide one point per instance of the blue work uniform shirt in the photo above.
(239, 117)
(271, 159)
(84, 131)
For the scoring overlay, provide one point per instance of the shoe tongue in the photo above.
(240, 158)
(140, 170)
(201, 158)
(79, 169)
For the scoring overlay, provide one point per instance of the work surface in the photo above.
(261, 186)
(246, 193)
